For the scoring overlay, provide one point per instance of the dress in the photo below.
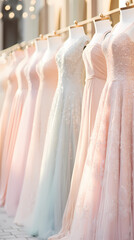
(23, 139)
(11, 90)
(48, 72)
(3, 81)
(104, 208)
(14, 121)
(61, 141)
(96, 74)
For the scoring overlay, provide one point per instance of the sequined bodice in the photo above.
(119, 53)
(95, 62)
(70, 63)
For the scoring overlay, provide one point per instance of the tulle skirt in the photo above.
(10, 138)
(4, 118)
(3, 88)
(104, 208)
(19, 159)
(91, 97)
(58, 160)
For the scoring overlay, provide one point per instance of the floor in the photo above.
(9, 231)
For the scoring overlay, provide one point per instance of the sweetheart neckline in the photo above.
(123, 32)
(119, 35)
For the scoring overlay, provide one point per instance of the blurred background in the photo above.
(22, 20)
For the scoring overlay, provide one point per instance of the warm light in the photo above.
(25, 15)
(31, 9)
(19, 7)
(33, 2)
(1, 15)
(7, 7)
(33, 16)
(11, 15)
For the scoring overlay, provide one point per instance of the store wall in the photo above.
(55, 14)
(1, 29)
(115, 17)
(61, 13)
(30, 26)
(94, 8)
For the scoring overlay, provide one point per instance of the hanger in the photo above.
(54, 35)
(102, 17)
(32, 44)
(41, 37)
(76, 24)
(128, 6)
(82, 23)
(19, 48)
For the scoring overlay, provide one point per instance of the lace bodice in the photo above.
(70, 63)
(95, 62)
(119, 53)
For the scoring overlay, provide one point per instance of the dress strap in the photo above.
(105, 34)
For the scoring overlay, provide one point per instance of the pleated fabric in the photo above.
(14, 119)
(104, 207)
(96, 73)
(48, 73)
(3, 81)
(5, 114)
(23, 139)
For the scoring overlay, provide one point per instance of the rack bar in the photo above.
(63, 30)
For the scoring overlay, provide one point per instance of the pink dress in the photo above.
(96, 73)
(3, 81)
(14, 120)
(48, 83)
(105, 206)
(23, 139)
(11, 90)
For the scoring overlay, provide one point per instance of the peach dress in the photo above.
(10, 93)
(48, 82)
(105, 207)
(14, 120)
(96, 73)
(19, 160)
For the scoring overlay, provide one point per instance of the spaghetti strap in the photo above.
(105, 34)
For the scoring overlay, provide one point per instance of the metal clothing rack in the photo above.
(64, 30)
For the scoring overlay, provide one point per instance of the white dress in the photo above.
(61, 141)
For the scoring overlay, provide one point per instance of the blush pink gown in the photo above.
(11, 90)
(96, 73)
(19, 160)
(3, 81)
(14, 120)
(105, 207)
(48, 83)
